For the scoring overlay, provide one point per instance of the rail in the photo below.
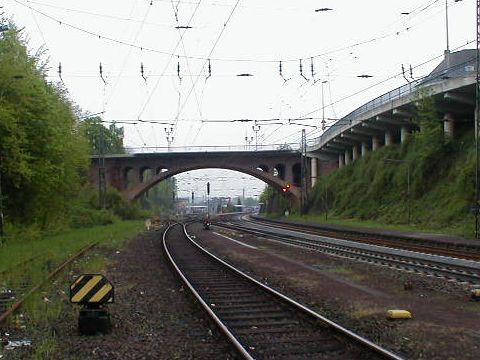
(246, 346)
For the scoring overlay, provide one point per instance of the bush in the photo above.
(87, 217)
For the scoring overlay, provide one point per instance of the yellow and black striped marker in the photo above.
(91, 289)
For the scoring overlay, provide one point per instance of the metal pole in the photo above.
(1, 209)
(323, 107)
(303, 172)
(446, 25)
(408, 195)
(326, 202)
(477, 119)
(102, 183)
(256, 128)
(208, 200)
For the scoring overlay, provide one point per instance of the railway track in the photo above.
(14, 295)
(458, 250)
(260, 322)
(463, 271)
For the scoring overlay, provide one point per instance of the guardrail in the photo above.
(464, 69)
(213, 148)
(352, 117)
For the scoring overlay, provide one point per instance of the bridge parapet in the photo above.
(455, 73)
(126, 172)
(213, 148)
(387, 119)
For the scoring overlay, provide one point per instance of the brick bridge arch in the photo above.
(133, 192)
(276, 168)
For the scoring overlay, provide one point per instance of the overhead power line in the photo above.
(166, 53)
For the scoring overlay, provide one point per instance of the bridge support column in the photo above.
(388, 138)
(355, 152)
(375, 143)
(314, 169)
(448, 125)
(404, 134)
(364, 148)
(347, 157)
(341, 162)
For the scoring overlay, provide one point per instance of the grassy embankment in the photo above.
(50, 251)
(373, 191)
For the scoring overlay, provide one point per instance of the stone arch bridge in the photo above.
(127, 172)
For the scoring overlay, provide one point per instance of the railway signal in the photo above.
(286, 188)
(93, 291)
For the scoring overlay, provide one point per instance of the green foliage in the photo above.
(274, 201)
(122, 208)
(250, 202)
(375, 187)
(87, 217)
(45, 151)
(103, 140)
(160, 198)
(42, 154)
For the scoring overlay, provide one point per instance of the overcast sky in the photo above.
(370, 37)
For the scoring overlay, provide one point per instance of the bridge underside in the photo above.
(391, 124)
(128, 172)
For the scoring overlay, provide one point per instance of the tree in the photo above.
(43, 154)
(103, 140)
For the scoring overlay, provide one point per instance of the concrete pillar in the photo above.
(355, 152)
(347, 157)
(448, 125)
(404, 134)
(314, 169)
(364, 148)
(375, 143)
(341, 161)
(388, 138)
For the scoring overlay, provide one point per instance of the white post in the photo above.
(388, 138)
(364, 148)
(375, 143)
(404, 134)
(355, 152)
(341, 161)
(448, 125)
(347, 157)
(314, 165)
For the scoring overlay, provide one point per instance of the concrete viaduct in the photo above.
(387, 119)
(380, 122)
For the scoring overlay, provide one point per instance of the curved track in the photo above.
(459, 250)
(459, 270)
(260, 322)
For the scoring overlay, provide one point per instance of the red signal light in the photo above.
(286, 188)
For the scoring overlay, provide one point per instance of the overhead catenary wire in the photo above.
(327, 105)
(369, 87)
(147, 101)
(382, 81)
(125, 60)
(175, 10)
(166, 53)
(209, 56)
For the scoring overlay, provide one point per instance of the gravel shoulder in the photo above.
(152, 318)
